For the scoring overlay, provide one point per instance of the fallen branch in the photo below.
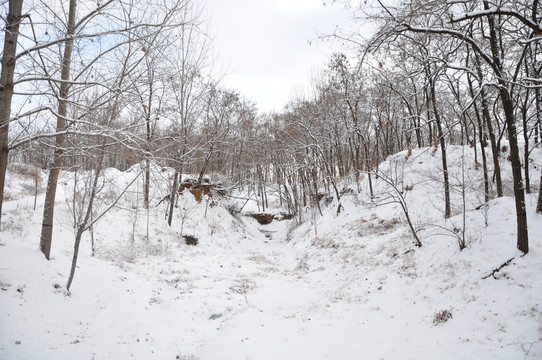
(498, 269)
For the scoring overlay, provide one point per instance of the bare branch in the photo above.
(499, 11)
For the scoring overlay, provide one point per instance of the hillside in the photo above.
(351, 285)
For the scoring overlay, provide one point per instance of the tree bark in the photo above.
(6, 86)
(49, 206)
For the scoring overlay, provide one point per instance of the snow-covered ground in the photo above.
(346, 286)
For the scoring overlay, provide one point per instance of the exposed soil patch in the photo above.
(267, 218)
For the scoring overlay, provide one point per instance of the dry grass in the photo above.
(374, 226)
(442, 317)
(260, 259)
(242, 285)
(302, 265)
(324, 243)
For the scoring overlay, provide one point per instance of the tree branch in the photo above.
(499, 11)
(498, 269)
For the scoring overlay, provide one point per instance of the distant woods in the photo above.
(115, 84)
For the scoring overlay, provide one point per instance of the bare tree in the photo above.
(48, 208)
(132, 24)
(399, 196)
(189, 83)
(447, 23)
(86, 217)
(442, 141)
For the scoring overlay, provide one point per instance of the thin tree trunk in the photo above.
(491, 133)
(526, 143)
(75, 256)
(173, 196)
(447, 207)
(482, 148)
(538, 109)
(49, 206)
(146, 184)
(6, 86)
(205, 163)
(36, 185)
(539, 202)
(83, 225)
(417, 124)
(538, 95)
(368, 170)
(148, 137)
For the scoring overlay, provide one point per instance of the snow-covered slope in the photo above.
(346, 286)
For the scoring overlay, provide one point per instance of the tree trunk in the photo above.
(482, 149)
(538, 95)
(173, 196)
(524, 116)
(539, 203)
(6, 86)
(49, 206)
(508, 107)
(538, 109)
(148, 137)
(86, 222)
(75, 256)
(519, 191)
(205, 163)
(447, 207)
(491, 133)
(482, 141)
(147, 182)
(368, 169)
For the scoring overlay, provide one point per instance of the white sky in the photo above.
(265, 44)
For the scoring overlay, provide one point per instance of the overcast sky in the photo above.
(265, 44)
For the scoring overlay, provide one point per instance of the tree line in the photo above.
(87, 85)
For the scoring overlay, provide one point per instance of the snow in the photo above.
(344, 286)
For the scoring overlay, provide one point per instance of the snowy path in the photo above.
(277, 308)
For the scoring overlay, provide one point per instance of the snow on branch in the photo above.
(499, 11)
(456, 34)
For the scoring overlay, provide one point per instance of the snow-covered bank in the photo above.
(347, 286)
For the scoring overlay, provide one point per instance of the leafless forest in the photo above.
(88, 85)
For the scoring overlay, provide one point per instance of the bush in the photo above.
(190, 240)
